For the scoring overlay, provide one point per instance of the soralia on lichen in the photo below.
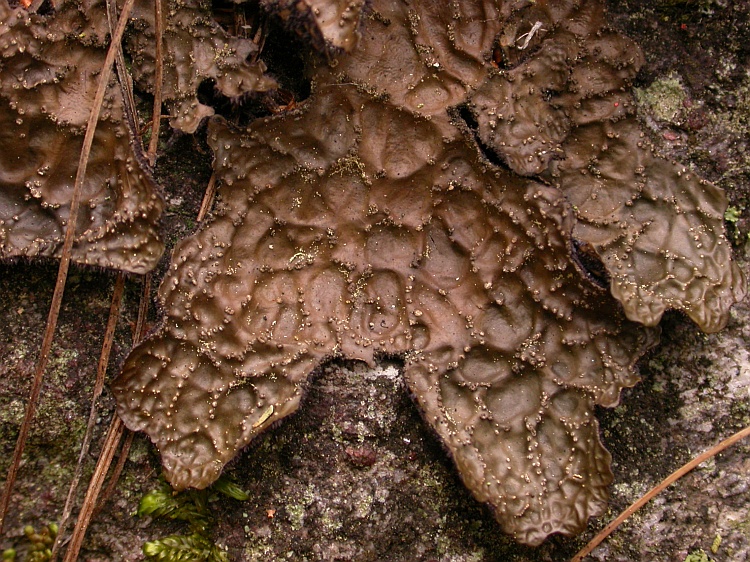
(49, 70)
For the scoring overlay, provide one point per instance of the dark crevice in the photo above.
(471, 126)
(590, 264)
(468, 117)
(243, 19)
(281, 50)
(285, 55)
(238, 110)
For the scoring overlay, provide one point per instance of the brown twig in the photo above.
(109, 334)
(62, 272)
(208, 198)
(138, 335)
(140, 324)
(116, 471)
(676, 475)
(126, 82)
(158, 79)
(116, 429)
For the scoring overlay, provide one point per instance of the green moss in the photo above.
(190, 548)
(716, 544)
(697, 556)
(191, 507)
(38, 545)
(732, 214)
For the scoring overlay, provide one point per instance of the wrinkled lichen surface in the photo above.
(466, 189)
(49, 71)
(196, 49)
(444, 134)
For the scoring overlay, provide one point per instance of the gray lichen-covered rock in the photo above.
(374, 220)
(49, 71)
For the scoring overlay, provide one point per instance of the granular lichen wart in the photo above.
(508, 231)
(665, 98)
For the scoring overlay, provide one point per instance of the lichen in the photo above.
(665, 98)
(197, 50)
(49, 70)
(379, 218)
(328, 24)
(466, 188)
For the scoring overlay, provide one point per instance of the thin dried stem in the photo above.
(676, 475)
(116, 429)
(138, 334)
(208, 198)
(140, 324)
(126, 82)
(109, 336)
(116, 471)
(158, 79)
(62, 272)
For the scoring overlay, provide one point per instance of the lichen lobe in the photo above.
(369, 222)
(49, 71)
